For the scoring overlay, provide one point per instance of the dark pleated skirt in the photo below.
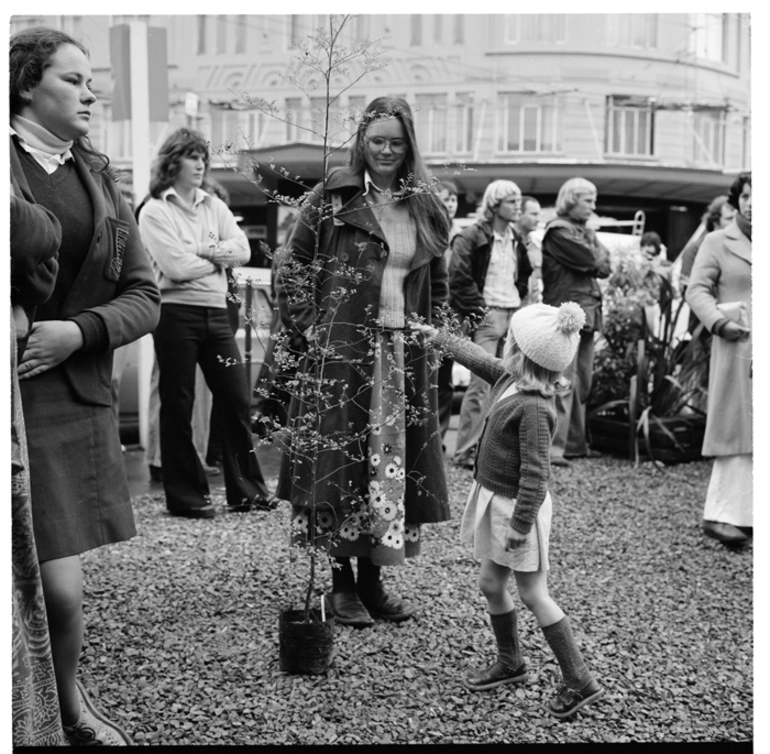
(79, 492)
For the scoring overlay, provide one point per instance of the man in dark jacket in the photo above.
(572, 260)
(488, 275)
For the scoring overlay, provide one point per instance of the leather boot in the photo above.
(509, 667)
(579, 687)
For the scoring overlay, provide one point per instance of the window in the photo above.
(416, 38)
(527, 124)
(72, 25)
(294, 32)
(629, 126)
(19, 23)
(709, 135)
(747, 143)
(293, 119)
(430, 122)
(437, 28)
(201, 35)
(240, 34)
(633, 29)
(739, 21)
(99, 125)
(352, 116)
(251, 127)
(221, 34)
(708, 36)
(464, 123)
(302, 27)
(458, 36)
(359, 26)
(225, 127)
(318, 120)
(535, 27)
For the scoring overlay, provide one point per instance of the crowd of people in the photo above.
(368, 287)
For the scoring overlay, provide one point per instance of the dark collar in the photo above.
(344, 178)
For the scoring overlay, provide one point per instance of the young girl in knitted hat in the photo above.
(508, 515)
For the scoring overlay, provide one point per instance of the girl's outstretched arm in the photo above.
(464, 351)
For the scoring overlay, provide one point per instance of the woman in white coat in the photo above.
(720, 295)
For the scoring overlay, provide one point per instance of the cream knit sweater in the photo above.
(401, 234)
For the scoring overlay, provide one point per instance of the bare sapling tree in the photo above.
(323, 70)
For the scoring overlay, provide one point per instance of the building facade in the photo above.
(655, 109)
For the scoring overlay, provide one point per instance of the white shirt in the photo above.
(499, 287)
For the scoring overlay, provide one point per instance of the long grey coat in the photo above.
(343, 314)
(722, 274)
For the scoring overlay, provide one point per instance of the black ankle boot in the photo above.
(377, 600)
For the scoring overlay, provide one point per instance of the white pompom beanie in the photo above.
(549, 335)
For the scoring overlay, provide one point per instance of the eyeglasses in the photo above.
(377, 144)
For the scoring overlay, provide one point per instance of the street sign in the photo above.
(191, 101)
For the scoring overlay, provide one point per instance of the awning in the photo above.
(298, 163)
(303, 163)
(670, 184)
(242, 191)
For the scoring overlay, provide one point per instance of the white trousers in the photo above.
(729, 498)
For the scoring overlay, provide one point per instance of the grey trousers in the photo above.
(570, 435)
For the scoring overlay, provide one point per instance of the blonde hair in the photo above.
(530, 376)
(569, 193)
(494, 194)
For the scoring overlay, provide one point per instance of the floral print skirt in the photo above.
(377, 528)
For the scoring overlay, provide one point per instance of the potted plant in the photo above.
(650, 375)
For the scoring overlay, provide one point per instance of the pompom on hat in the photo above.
(549, 335)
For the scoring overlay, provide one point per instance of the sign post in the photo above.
(134, 48)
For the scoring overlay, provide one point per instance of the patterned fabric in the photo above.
(36, 719)
(377, 528)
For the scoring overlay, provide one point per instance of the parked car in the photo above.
(262, 308)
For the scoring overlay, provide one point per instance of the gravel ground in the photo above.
(182, 642)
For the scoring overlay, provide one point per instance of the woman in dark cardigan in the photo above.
(104, 296)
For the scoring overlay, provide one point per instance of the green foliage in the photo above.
(642, 339)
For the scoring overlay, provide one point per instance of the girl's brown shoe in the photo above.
(496, 675)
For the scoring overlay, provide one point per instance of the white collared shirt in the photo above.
(378, 193)
(499, 285)
(368, 183)
(49, 162)
(199, 196)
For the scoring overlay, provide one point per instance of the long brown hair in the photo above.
(30, 54)
(424, 206)
(182, 143)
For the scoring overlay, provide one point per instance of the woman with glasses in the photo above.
(370, 243)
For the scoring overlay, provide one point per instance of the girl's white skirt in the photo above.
(484, 525)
